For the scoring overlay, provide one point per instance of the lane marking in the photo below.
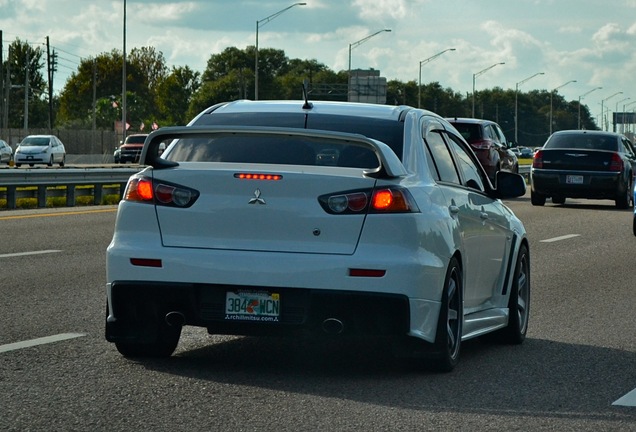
(17, 254)
(564, 237)
(628, 400)
(39, 341)
(66, 213)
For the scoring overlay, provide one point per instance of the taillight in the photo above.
(616, 164)
(144, 189)
(537, 159)
(481, 144)
(386, 200)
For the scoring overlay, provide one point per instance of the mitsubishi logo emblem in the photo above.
(257, 198)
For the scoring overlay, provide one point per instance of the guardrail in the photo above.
(42, 183)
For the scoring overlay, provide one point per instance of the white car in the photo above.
(40, 149)
(242, 228)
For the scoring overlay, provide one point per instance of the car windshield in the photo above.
(268, 149)
(470, 131)
(135, 139)
(35, 141)
(388, 131)
(582, 142)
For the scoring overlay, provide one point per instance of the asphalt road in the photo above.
(579, 358)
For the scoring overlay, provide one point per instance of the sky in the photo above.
(570, 46)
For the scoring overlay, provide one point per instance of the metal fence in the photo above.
(76, 141)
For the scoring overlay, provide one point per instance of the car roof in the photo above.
(468, 120)
(356, 109)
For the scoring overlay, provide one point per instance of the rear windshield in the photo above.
(470, 131)
(389, 132)
(272, 149)
(35, 141)
(135, 139)
(582, 141)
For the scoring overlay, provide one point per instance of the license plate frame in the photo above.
(574, 179)
(252, 305)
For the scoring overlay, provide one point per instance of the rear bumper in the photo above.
(136, 307)
(596, 185)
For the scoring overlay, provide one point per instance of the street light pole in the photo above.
(581, 97)
(123, 84)
(602, 110)
(419, 87)
(551, 94)
(261, 23)
(517, 104)
(475, 75)
(352, 46)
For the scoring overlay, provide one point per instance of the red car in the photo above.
(489, 144)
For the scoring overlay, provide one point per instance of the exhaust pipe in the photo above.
(175, 319)
(332, 326)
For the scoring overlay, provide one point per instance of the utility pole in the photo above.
(2, 125)
(49, 64)
(26, 92)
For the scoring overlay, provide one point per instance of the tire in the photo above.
(50, 161)
(634, 225)
(558, 200)
(450, 323)
(624, 200)
(63, 161)
(518, 303)
(537, 199)
(18, 165)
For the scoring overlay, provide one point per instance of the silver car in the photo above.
(40, 149)
(6, 153)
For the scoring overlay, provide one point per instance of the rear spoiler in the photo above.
(390, 164)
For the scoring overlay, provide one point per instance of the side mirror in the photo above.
(510, 185)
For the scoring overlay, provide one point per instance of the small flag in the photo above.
(115, 104)
(142, 126)
(127, 125)
(155, 126)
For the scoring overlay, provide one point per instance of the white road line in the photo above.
(39, 341)
(628, 400)
(564, 237)
(29, 253)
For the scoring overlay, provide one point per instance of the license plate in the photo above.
(574, 179)
(252, 305)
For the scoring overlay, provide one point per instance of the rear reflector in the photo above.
(366, 272)
(146, 262)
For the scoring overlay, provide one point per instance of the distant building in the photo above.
(367, 86)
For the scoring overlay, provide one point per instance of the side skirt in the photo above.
(480, 323)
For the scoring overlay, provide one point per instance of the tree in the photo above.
(24, 70)
(174, 95)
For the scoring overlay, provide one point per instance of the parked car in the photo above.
(525, 152)
(245, 226)
(130, 150)
(6, 152)
(489, 144)
(584, 164)
(40, 149)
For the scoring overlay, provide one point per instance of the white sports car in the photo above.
(323, 218)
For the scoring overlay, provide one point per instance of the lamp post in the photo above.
(123, 84)
(602, 111)
(624, 112)
(551, 94)
(419, 87)
(517, 104)
(352, 46)
(475, 75)
(261, 23)
(581, 97)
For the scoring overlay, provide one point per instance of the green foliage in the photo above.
(173, 97)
